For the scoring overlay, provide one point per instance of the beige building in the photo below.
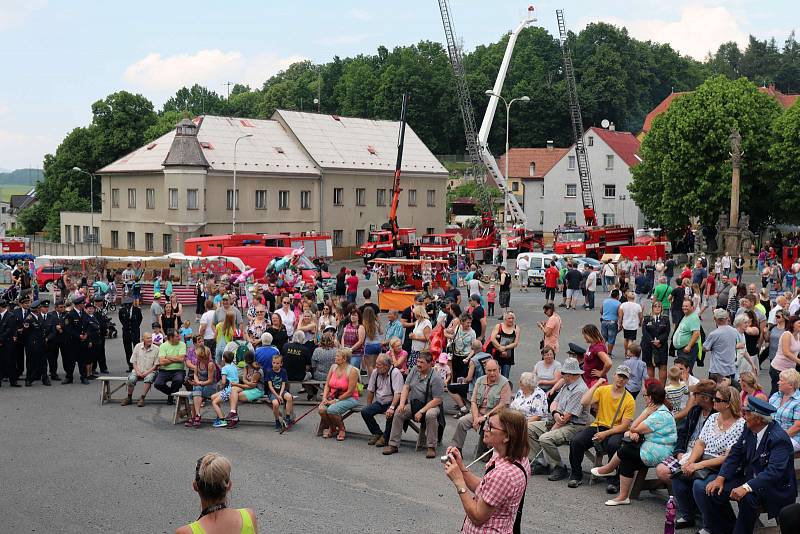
(79, 227)
(295, 172)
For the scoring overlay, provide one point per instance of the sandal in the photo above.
(189, 422)
(326, 433)
(340, 435)
(196, 423)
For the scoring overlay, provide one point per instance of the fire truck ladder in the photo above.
(464, 101)
(581, 156)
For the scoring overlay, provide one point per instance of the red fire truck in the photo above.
(592, 241)
(382, 244)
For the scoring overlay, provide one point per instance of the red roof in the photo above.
(658, 110)
(519, 164)
(623, 143)
(786, 101)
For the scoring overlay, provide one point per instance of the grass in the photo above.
(7, 190)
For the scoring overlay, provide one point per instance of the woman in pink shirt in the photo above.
(596, 362)
(786, 357)
(551, 328)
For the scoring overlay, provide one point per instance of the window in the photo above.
(67, 234)
(305, 200)
(131, 198)
(261, 199)
(571, 163)
(115, 198)
(131, 240)
(114, 239)
(173, 198)
(430, 230)
(361, 197)
(608, 218)
(515, 186)
(191, 199)
(541, 217)
(610, 162)
(609, 190)
(229, 199)
(96, 233)
(86, 236)
(205, 199)
(533, 168)
(572, 190)
(150, 198)
(412, 197)
(591, 140)
(148, 242)
(167, 243)
(338, 196)
(360, 237)
(77, 233)
(570, 218)
(542, 190)
(337, 238)
(431, 198)
(380, 199)
(283, 200)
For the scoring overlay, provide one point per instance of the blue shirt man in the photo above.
(608, 319)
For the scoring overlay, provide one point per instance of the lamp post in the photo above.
(508, 113)
(91, 200)
(234, 200)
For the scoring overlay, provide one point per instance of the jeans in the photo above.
(505, 369)
(608, 283)
(684, 491)
(355, 361)
(175, 378)
(582, 442)
(608, 329)
(590, 299)
(717, 511)
(351, 297)
(368, 414)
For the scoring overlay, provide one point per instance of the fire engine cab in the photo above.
(592, 241)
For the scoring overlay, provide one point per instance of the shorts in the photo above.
(271, 397)
(711, 301)
(505, 299)
(572, 293)
(342, 407)
(629, 334)
(372, 349)
(225, 394)
(523, 277)
(204, 391)
(609, 331)
(148, 379)
(355, 361)
(549, 293)
(253, 394)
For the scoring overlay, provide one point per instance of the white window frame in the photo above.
(610, 162)
(570, 217)
(261, 199)
(380, 197)
(132, 198)
(115, 198)
(172, 198)
(166, 243)
(305, 199)
(114, 238)
(609, 219)
(412, 197)
(189, 204)
(229, 196)
(361, 236)
(150, 198)
(613, 190)
(131, 240)
(571, 163)
(574, 188)
(361, 196)
(149, 241)
(431, 198)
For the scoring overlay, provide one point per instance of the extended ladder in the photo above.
(581, 157)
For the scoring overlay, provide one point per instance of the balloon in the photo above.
(245, 275)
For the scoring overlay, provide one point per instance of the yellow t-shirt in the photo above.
(607, 406)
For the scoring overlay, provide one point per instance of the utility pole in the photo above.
(228, 84)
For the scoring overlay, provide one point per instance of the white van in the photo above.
(538, 261)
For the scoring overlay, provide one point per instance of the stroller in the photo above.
(111, 328)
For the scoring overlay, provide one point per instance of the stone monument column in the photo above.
(736, 160)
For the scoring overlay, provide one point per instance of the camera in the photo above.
(447, 457)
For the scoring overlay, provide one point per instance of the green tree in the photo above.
(165, 122)
(785, 154)
(196, 100)
(686, 165)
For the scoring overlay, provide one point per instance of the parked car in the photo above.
(46, 276)
(538, 263)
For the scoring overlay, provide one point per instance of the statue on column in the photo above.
(746, 236)
(721, 227)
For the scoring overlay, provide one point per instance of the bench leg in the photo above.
(105, 392)
(181, 410)
(638, 483)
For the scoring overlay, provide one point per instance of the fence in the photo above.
(41, 247)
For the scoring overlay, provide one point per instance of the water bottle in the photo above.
(669, 520)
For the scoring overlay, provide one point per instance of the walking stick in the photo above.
(287, 427)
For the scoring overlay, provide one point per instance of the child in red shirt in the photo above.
(491, 296)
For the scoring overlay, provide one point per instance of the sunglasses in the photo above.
(717, 399)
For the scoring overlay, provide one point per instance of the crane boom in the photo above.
(581, 157)
(483, 135)
(394, 226)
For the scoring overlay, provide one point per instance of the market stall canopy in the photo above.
(174, 257)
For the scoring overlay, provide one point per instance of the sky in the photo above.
(57, 57)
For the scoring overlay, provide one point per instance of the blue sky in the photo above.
(57, 57)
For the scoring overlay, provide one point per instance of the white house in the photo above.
(556, 199)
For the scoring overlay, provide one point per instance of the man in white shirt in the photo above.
(207, 326)
(591, 287)
(794, 305)
(780, 303)
(630, 318)
(522, 270)
(726, 264)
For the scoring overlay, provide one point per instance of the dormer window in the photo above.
(533, 168)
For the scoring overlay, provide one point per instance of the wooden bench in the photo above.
(305, 402)
(642, 483)
(105, 387)
(322, 426)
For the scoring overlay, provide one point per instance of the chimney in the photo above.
(612, 127)
(549, 144)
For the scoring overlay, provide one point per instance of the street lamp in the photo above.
(233, 225)
(91, 199)
(508, 113)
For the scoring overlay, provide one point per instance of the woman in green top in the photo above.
(212, 481)
(225, 332)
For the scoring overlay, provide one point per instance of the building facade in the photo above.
(292, 175)
(79, 227)
(555, 199)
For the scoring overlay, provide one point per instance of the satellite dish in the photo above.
(605, 123)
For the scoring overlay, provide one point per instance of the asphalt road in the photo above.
(71, 465)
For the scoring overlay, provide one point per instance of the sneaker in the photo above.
(288, 420)
(278, 426)
(230, 416)
(233, 420)
(559, 473)
(141, 402)
(126, 401)
(219, 423)
(574, 483)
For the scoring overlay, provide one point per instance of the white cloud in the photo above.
(14, 12)
(22, 150)
(359, 14)
(207, 67)
(700, 29)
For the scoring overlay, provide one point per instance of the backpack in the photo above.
(241, 350)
